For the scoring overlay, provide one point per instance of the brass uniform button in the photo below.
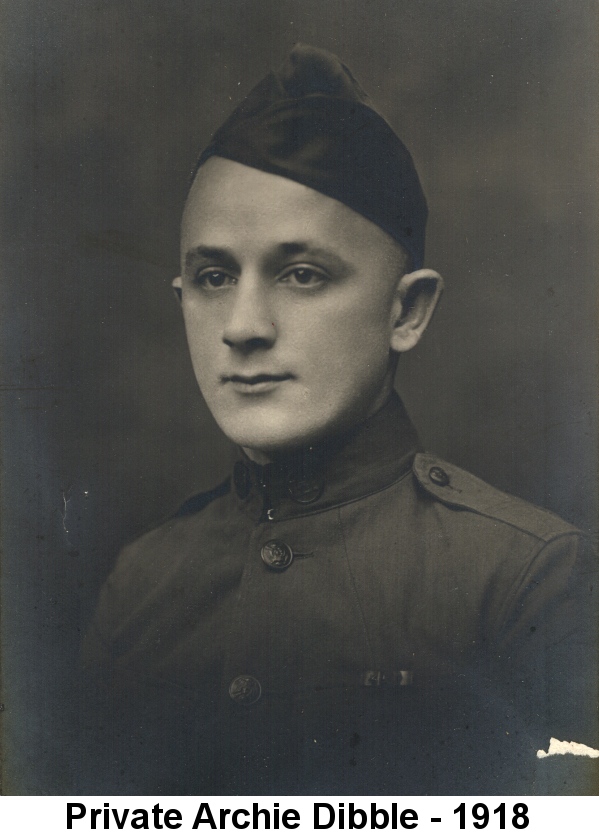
(245, 690)
(305, 492)
(277, 555)
(438, 476)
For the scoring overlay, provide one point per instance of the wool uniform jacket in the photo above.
(362, 619)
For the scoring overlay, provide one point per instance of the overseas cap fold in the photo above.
(311, 122)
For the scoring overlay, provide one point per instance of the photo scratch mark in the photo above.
(66, 497)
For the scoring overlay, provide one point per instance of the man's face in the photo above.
(289, 299)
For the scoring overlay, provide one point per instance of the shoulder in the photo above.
(163, 547)
(459, 490)
(164, 558)
(198, 502)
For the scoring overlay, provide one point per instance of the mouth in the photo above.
(259, 383)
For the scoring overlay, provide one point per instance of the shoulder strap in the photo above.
(459, 489)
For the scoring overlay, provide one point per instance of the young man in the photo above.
(346, 614)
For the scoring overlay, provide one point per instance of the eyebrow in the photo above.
(283, 250)
(314, 251)
(222, 256)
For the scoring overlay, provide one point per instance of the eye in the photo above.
(305, 277)
(213, 279)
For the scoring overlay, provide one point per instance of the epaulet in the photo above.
(461, 490)
(199, 502)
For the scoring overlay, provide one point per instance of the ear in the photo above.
(177, 288)
(416, 298)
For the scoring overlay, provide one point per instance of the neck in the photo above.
(259, 456)
(313, 450)
(371, 455)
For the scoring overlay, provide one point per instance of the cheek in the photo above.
(202, 338)
(347, 344)
(360, 324)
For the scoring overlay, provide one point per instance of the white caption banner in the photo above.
(415, 816)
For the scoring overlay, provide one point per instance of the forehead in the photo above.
(232, 205)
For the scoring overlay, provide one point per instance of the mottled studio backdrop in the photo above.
(103, 430)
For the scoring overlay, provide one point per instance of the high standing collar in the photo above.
(370, 457)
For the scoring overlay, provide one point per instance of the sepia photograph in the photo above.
(299, 398)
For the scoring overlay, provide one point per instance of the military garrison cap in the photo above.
(311, 122)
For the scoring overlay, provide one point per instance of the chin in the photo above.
(277, 425)
(272, 441)
(272, 433)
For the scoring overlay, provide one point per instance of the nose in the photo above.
(250, 322)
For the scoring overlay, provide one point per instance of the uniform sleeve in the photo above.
(110, 756)
(546, 659)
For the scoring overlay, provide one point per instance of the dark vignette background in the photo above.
(103, 431)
